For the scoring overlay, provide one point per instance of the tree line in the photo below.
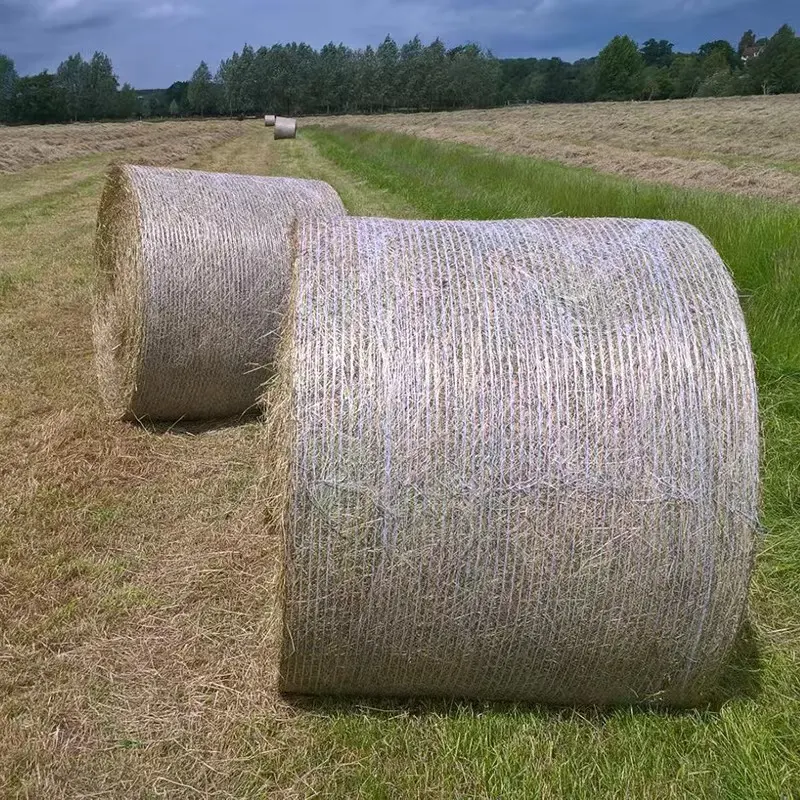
(297, 79)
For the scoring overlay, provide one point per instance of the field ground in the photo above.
(744, 145)
(136, 635)
(158, 144)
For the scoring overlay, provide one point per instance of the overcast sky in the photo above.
(155, 42)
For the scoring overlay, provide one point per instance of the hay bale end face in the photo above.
(193, 275)
(285, 128)
(518, 460)
(269, 120)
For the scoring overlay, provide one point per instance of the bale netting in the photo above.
(285, 128)
(193, 277)
(515, 460)
(269, 120)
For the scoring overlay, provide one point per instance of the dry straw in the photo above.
(269, 120)
(193, 277)
(285, 128)
(515, 460)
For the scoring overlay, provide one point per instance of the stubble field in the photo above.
(152, 143)
(137, 634)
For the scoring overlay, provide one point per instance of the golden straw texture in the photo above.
(514, 460)
(285, 128)
(193, 276)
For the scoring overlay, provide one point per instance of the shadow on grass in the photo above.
(742, 676)
(196, 427)
(741, 679)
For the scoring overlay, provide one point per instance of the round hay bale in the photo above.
(269, 120)
(285, 128)
(193, 276)
(515, 460)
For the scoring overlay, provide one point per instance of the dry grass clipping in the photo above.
(161, 143)
(516, 460)
(193, 273)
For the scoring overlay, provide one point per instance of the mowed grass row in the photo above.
(136, 642)
(750, 746)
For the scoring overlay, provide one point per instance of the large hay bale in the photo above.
(285, 128)
(516, 460)
(269, 120)
(193, 277)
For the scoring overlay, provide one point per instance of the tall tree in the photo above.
(714, 54)
(433, 66)
(263, 80)
(8, 80)
(226, 83)
(367, 80)
(620, 70)
(657, 53)
(128, 105)
(144, 105)
(686, 75)
(39, 99)
(200, 93)
(411, 75)
(777, 68)
(551, 83)
(177, 93)
(747, 42)
(333, 84)
(388, 57)
(584, 80)
(474, 76)
(247, 80)
(103, 85)
(74, 77)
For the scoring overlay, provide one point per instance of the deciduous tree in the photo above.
(102, 89)
(8, 80)
(620, 70)
(39, 99)
(777, 68)
(200, 93)
(657, 53)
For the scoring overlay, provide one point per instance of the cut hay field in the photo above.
(159, 143)
(137, 639)
(744, 145)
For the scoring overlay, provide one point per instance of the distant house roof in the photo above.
(751, 52)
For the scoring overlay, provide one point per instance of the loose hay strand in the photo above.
(521, 461)
(193, 275)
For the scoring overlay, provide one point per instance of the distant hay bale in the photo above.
(269, 120)
(285, 128)
(193, 277)
(514, 460)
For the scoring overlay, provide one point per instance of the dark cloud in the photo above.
(88, 23)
